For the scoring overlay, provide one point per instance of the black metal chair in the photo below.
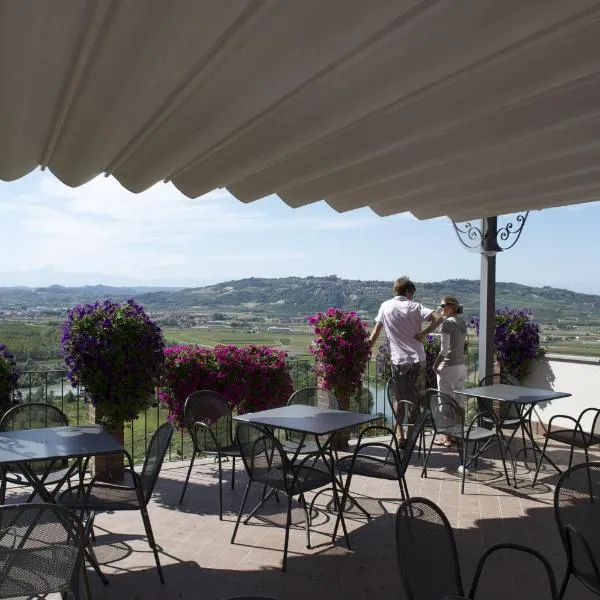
(103, 497)
(391, 465)
(295, 443)
(447, 419)
(207, 417)
(33, 415)
(41, 551)
(428, 558)
(402, 409)
(267, 463)
(575, 438)
(577, 513)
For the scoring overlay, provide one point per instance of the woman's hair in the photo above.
(403, 286)
(453, 301)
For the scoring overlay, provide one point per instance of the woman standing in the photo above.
(450, 365)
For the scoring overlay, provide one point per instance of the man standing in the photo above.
(402, 319)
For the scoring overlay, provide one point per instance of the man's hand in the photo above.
(420, 336)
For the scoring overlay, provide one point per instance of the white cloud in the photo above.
(102, 228)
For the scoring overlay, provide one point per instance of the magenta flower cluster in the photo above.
(341, 350)
(8, 378)
(516, 340)
(252, 378)
(116, 353)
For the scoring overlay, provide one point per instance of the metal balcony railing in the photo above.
(53, 386)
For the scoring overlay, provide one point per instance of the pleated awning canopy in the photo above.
(461, 108)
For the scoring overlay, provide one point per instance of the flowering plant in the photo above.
(251, 378)
(516, 340)
(8, 378)
(116, 353)
(431, 344)
(341, 350)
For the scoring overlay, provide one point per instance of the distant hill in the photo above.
(299, 296)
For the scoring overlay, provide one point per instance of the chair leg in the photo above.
(220, 489)
(188, 476)
(87, 594)
(233, 473)
(539, 462)
(340, 515)
(152, 541)
(288, 524)
(462, 450)
(237, 523)
(3, 489)
(424, 470)
(563, 587)
(307, 521)
(500, 440)
(571, 456)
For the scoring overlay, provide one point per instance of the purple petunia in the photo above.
(116, 352)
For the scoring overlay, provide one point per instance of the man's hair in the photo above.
(404, 286)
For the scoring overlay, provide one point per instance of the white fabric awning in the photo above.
(461, 108)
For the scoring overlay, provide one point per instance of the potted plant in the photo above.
(516, 341)
(342, 351)
(116, 353)
(8, 378)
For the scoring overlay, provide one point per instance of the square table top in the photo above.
(517, 394)
(54, 443)
(307, 419)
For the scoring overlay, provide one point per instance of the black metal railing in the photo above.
(53, 386)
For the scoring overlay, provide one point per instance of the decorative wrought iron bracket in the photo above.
(488, 238)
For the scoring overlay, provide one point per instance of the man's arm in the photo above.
(435, 319)
(375, 333)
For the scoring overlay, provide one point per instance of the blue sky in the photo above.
(100, 233)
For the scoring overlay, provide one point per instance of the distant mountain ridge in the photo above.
(299, 296)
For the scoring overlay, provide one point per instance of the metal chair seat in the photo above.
(580, 439)
(299, 448)
(103, 497)
(17, 478)
(474, 434)
(295, 479)
(370, 466)
(505, 424)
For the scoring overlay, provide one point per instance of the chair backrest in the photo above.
(212, 409)
(314, 396)
(311, 396)
(426, 551)
(504, 410)
(155, 455)
(400, 407)
(33, 415)
(577, 505)
(41, 549)
(413, 437)
(260, 451)
(446, 415)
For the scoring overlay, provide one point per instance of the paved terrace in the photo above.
(199, 562)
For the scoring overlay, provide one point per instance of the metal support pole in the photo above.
(487, 301)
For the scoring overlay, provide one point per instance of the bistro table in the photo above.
(524, 398)
(23, 446)
(309, 421)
